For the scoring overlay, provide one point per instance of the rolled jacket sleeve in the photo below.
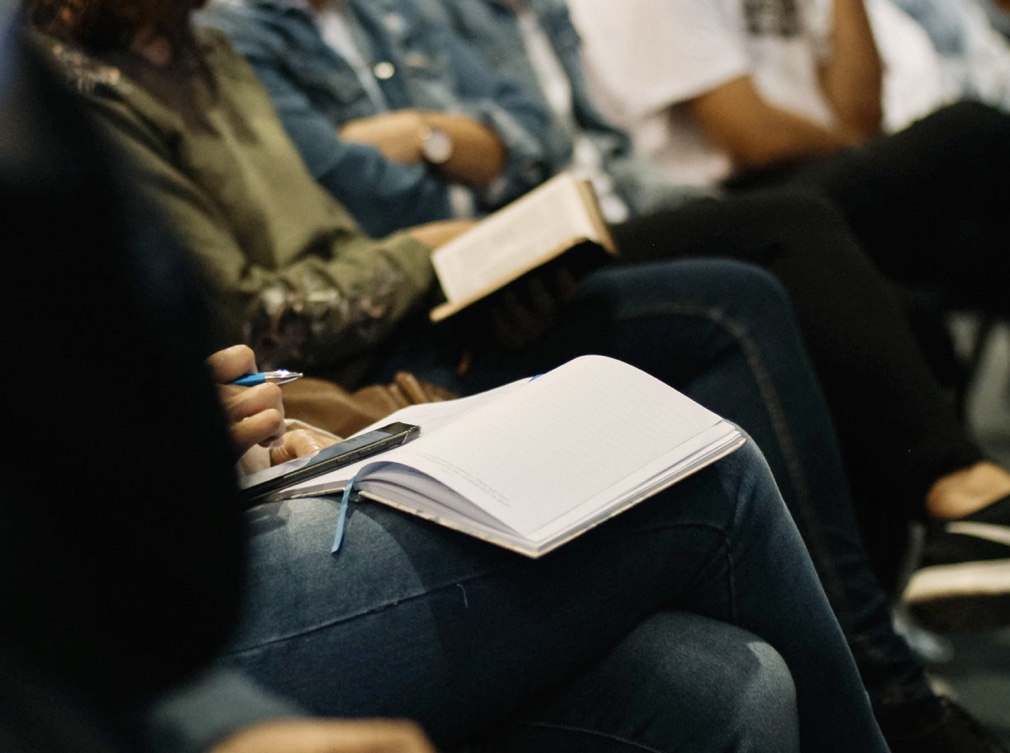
(296, 69)
(517, 115)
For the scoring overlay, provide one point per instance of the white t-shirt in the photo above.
(914, 82)
(645, 57)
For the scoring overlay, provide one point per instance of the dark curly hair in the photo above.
(100, 25)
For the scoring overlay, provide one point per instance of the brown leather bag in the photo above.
(329, 406)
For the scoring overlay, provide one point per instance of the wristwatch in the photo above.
(436, 145)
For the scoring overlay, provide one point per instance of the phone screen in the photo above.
(255, 487)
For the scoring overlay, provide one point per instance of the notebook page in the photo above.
(713, 443)
(533, 227)
(541, 451)
(429, 416)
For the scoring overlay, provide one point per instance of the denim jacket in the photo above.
(491, 27)
(315, 90)
(974, 56)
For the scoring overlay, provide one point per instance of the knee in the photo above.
(725, 687)
(720, 288)
(762, 705)
(750, 295)
(749, 693)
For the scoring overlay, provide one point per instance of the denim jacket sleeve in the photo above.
(314, 92)
(491, 27)
(517, 115)
(382, 195)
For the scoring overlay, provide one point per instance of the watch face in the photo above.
(437, 147)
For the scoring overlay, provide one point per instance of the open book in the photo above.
(559, 215)
(535, 463)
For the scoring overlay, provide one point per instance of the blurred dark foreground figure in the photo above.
(110, 401)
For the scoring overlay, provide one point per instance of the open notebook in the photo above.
(535, 463)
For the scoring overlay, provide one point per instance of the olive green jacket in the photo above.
(291, 272)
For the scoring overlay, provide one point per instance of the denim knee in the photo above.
(678, 682)
(743, 697)
(727, 288)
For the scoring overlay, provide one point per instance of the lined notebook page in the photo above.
(544, 449)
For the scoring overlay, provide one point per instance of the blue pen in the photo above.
(281, 376)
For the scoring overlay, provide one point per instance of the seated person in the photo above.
(414, 150)
(121, 583)
(750, 95)
(623, 312)
(408, 605)
(907, 452)
(867, 370)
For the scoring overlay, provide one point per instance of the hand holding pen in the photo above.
(254, 406)
(255, 414)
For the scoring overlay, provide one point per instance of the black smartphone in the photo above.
(256, 487)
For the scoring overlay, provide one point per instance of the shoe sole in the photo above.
(961, 598)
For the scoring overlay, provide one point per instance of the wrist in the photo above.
(436, 144)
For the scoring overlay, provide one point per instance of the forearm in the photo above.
(478, 155)
(851, 76)
(787, 137)
(755, 133)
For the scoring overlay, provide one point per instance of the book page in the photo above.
(586, 432)
(429, 416)
(515, 239)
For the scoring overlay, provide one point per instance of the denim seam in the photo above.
(455, 582)
(594, 733)
(752, 355)
(374, 610)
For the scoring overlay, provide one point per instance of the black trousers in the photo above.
(930, 207)
(897, 427)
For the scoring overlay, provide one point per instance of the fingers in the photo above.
(543, 302)
(231, 363)
(254, 414)
(566, 286)
(328, 736)
(523, 316)
(514, 323)
(298, 443)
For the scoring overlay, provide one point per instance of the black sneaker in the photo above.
(963, 581)
(938, 725)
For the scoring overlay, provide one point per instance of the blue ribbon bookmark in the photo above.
(338, 537)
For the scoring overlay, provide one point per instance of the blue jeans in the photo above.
(682, 624)
(723, 333)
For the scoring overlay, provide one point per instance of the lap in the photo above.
(411, 619)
